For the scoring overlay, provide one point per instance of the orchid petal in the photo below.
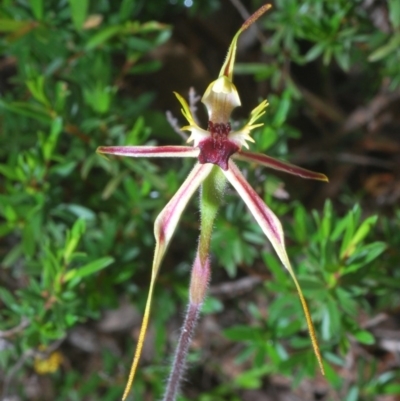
(276, 164)
(164, 228)
(240, 137)
(272, 228)
(197, 133)
(149, 151)
(187, 113)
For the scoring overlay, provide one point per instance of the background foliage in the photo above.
(76, 228)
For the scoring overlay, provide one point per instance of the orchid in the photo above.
(216, 149)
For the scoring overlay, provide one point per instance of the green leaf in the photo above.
(73, 239)
(212, 305)
(332, 375)
(315, 51)
(342, 57)
(300, 223)
(148, 67)
(252, 379)
(139, 44)
(311, 284)
(48, 143)
(360, 234)
(394, 13)
(35, 111)
(252, 68)
(326, 223)
(352, 395)
(268, 138)
(349, 233)
(386, 49)
(36, 87)
(99, 97)
(242, 333)
(367, 254)
(273, 264)
(346, 301)
(391, 389)
(331, 319)
(125, 10)
(281, 113)
(364, 337)
(6, 297)
(11, 258)
(9, 25)
(79, 9)
(37, 8)
(88, 269)
(102, 36)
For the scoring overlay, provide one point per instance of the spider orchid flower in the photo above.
(216, 149)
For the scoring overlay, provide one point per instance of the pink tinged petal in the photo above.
(164, 228)
(276, 164)
(272, 228)
(150, 151)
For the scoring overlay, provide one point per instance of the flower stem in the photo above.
(179, 363)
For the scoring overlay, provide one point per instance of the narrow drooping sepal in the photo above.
(164, 229)
(280, 165)
(272, 228)
(149, 151)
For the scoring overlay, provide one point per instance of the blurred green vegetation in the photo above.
(76, 228)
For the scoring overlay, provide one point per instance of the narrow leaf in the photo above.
(103, 36)
(36, 111)
(79, 9)
(37, 8)
(10, 25)
(88, 269)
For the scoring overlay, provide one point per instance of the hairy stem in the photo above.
(181, 352)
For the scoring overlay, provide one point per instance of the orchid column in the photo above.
(215, 149)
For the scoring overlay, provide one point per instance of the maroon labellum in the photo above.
(217, 148)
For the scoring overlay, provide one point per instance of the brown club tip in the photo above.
(254, 17)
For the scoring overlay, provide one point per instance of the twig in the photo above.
(173, 122)
(233, 288)
(30, 353)
(15, 330)
(193, 100)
